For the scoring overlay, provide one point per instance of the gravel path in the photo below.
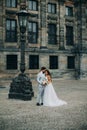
(25, 115)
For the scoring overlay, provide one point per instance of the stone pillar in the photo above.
(1, 23)
(61, 38)
(78, 41)
(43, 24)
(84, 25)
(81, 38)
(61, 25)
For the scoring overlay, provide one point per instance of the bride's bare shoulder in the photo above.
(49, 78)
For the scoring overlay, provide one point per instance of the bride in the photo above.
(50, 97)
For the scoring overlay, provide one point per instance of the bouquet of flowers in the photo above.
(45, 81)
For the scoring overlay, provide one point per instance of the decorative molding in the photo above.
(52, 17)
(33, 15)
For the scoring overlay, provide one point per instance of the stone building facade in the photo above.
(56, 37)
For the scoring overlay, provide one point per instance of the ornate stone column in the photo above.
(43, 24)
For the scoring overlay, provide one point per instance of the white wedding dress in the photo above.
(50, 98)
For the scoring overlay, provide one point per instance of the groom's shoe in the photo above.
(38, 104)
(41, 103)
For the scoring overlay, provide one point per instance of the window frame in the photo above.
(33, 32)
(71, 64)
(11, 34)
(69, 11)
(33, 3)
(9, 65)
(69, 36)
(52, 37)
(52, 8)
(53, 62)
(10, 3)
(35, 61)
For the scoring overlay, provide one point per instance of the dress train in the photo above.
(50, 97)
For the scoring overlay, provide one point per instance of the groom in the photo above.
(40, 78)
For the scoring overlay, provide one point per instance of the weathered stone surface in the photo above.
(25, 115)
(79, 23)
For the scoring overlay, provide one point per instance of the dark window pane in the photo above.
(69, 11)
(32, 32)
(11, 30)
(69, 35)
(71, 62)
(33, 5)
(11, 3)
(51, 8)
(11, 62)
(34, 62)
(53, 62)
(52, 39)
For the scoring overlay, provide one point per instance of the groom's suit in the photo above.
(40, 78)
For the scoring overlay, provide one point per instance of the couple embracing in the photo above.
(46, 93)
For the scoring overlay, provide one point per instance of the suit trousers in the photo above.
(40, 94)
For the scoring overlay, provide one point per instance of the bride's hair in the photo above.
(49, 75)
(48, 72)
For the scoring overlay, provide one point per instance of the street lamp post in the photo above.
(21, 86)
(22, 19)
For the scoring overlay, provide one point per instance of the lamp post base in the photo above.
(21, 96)
(21, 88)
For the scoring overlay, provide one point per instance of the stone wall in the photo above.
(42, 48)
